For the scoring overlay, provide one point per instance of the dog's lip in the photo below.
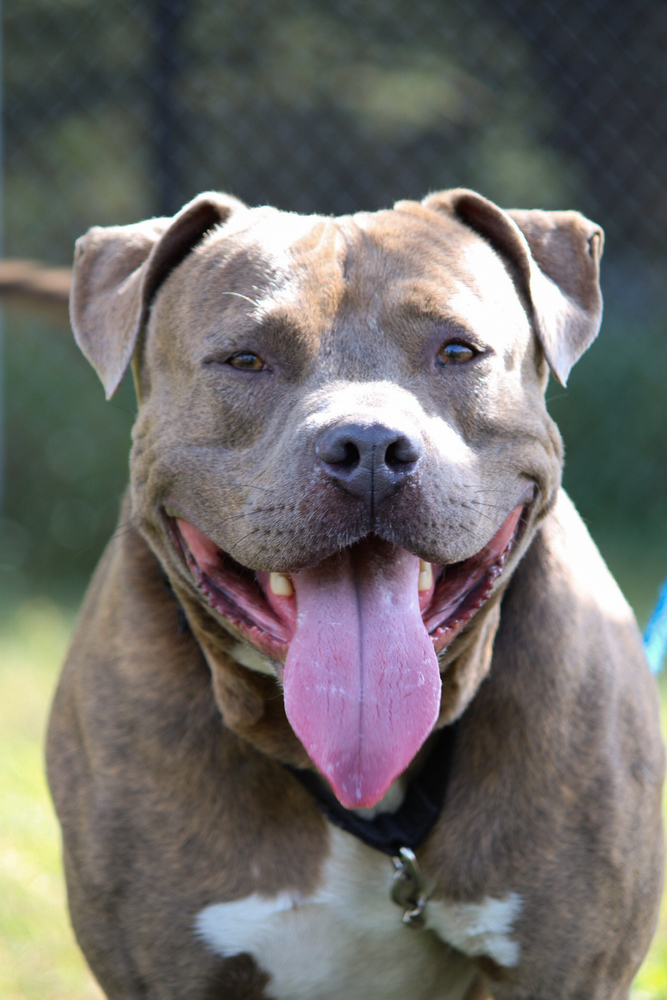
(242, 597)
(235, 593)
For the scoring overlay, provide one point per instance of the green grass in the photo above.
(38, 957)
(651, 983)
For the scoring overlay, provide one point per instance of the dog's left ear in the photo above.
(117, 272)
(555, 260)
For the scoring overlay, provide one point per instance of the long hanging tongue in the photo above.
(361, 679)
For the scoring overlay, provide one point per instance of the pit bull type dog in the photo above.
(353, 708)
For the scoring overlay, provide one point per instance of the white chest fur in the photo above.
(347, 941)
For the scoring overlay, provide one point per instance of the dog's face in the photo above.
(342, 446)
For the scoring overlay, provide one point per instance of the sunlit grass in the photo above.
(651, 983)
(38, 957)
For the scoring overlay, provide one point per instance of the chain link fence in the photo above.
(117, 110)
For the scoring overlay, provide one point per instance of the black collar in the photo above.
(408, 826)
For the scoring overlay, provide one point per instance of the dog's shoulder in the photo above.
(576, 562)
(564, 597)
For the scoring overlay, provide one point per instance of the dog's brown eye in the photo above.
(246, 361)
(456, 352)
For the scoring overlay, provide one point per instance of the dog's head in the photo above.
(342, 447)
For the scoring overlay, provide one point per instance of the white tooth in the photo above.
(425, 576)
(280, 585)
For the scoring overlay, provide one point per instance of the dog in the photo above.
(353, 707)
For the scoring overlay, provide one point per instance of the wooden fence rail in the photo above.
(37, 288)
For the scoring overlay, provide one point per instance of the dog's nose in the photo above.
(370, 461)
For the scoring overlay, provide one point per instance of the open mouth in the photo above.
(358, 635)
(263, 606)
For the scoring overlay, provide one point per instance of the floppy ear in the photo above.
(117, 271)
(555, 261)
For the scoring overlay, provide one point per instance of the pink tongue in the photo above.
(361, 679)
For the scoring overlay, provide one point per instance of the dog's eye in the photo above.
(456, 352)
(246, 361)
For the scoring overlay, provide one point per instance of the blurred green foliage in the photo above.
(66, 457)
(613, 418)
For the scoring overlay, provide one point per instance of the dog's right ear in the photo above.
(117, 272)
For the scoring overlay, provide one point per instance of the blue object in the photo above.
(655, 636)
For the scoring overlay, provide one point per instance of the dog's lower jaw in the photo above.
(466, 663)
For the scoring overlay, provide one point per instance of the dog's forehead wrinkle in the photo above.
(242, 260)
(324, 240)
(305, 245)
(399, 246)
(423, 300)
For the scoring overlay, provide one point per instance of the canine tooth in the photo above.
(425, 575)
(280, 585)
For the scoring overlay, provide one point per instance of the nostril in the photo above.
(402, 451)
(339, 450)
(345, 455)
(351, 458)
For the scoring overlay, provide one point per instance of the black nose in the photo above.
(369, 461)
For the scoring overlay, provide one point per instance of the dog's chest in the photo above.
(347, 940)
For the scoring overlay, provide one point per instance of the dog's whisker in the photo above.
(483, 503)
(243, 538)
(124, 528)
(253, 486)
(251, 513)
